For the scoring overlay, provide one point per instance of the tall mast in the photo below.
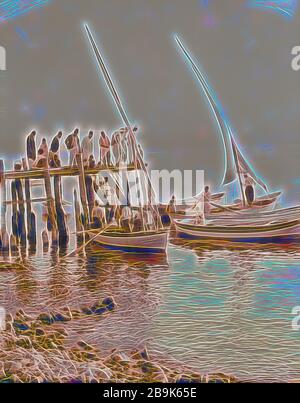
(109, 82)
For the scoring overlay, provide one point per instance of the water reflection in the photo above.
(214, 307)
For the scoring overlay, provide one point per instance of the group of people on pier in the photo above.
(104, 205)
(120, 149)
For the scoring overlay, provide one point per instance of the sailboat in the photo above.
(145, 241)
(236, 165)
(283, 232)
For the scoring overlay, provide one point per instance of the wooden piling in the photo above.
(83, 193)
(63, 233)
(30, 216)
(45, 240)
(13, 244)
(14, 218)
(50, 206)
(89, 185)
(78, 224)
(21, 207)
(4, 246)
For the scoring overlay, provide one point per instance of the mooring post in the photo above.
(63, 232)
(82, 189)
(31, 219)
(21, 215)
(4, 236)
(50, 205)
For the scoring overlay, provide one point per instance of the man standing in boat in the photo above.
(249, 189)
(207, 200)
(171, 207)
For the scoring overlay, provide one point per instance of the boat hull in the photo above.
(261, 205)
(283, 233)
(139, 242)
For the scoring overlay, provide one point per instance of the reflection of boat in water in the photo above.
(137, 242)
(282, 232)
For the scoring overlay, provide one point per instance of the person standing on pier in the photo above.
(54, 157)
(115, 146)
(104, 144)
(73, 145)
(31, 148)
(87, 148)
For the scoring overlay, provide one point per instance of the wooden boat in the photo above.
(262, 204)
(136, 242)
(282, 232)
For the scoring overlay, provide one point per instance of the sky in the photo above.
(52, 83)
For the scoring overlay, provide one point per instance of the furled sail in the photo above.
(231, 170)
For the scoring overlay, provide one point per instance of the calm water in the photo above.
(218, 309)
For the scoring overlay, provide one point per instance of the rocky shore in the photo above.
(35, 350)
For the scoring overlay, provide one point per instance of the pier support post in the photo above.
(78, 224)
(4, 236)
(63, 233)
(30, 216)
(50, 206)
(83, 193)
(14, 218)
(21, 205)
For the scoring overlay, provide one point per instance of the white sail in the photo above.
(245, 168)
(231, 170)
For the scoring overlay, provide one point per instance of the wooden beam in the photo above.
(38, 173)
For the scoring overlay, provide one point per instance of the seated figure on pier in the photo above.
(42, 156)
(54, 157)
(31, 148)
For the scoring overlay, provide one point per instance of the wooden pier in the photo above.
(23, 218)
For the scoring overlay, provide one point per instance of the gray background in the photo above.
(52, 82)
